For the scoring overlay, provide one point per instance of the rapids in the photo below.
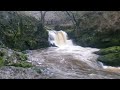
(69, 61)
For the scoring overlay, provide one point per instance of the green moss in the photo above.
(115, 49)
(112, 59)
(21, 60)
(21, 56)
(2, 61)
(109, 56)
(13, 58)
(23, 64)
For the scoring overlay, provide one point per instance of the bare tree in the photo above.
(75, 17)
(62, 17)
(42, 17)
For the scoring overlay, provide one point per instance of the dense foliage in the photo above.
(110, 56)
(21, 32)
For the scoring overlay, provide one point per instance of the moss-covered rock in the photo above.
(115, 49)
(109, 56)
(112, 59)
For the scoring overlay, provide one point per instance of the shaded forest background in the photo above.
(22, 30)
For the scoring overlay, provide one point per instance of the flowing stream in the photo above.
(64, 60)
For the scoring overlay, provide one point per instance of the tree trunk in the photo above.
(42, 18)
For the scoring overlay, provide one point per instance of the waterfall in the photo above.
(59, 38)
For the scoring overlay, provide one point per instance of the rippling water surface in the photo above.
(73, 62)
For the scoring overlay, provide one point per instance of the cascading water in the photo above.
(67, 60)
(59, 38)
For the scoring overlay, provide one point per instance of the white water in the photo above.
(59, 39)
(70, 61)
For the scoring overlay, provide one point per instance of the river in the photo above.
(64, 60)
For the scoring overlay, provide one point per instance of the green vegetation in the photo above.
(21, 56)
(21, 32)
(112, 59)
(110, 56)
(23, 64)
(16, 59)
(115, 49)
